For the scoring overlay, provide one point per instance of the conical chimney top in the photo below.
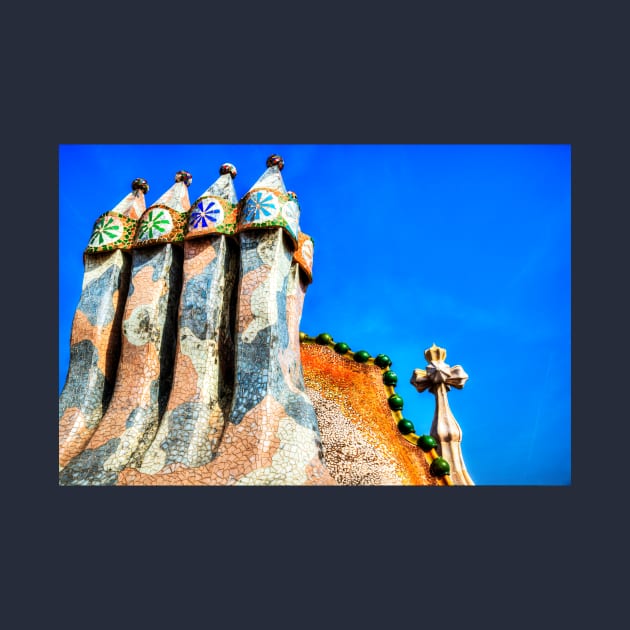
(268, 204)
(116, 229)
(165, 220)
(216, 210)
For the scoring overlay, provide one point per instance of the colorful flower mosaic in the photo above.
(155, 223)
(167, 219)
(116, 229)
(264, 208)
(216, 210)
(212, 215)
(260, 205)
(112, 231)
(206, 213)
(161, 224)
(106, 230)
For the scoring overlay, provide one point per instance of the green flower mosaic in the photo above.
(105, 229)
(156, 224)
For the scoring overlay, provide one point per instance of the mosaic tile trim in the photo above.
(94, 351)
(144, 374)
(161, 224)
(211, 215)
(266, 208)
(112, 231)
(193, 423)
(438, 466)
(303, 255)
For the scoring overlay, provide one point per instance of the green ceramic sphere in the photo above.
(361, 356)
(341, 347)
(390, 378)
(395, 402)
(405, 426)
(323, 339)
(382, 360)
(426, 443)
(439, 467)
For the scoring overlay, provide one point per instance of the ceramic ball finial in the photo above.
(140, 184)
(228, 168)
(275, 160)
(183, 176)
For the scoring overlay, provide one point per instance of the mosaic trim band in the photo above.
(161, 224)
(112, 231)
(212, 215)
(438, 466)
(267, 207)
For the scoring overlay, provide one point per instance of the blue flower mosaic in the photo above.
(259, 207)
(203, 217)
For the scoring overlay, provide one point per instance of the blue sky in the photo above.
(467, 246)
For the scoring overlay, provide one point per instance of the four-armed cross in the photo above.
(438, 378)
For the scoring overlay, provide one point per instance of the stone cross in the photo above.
(438, 378)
